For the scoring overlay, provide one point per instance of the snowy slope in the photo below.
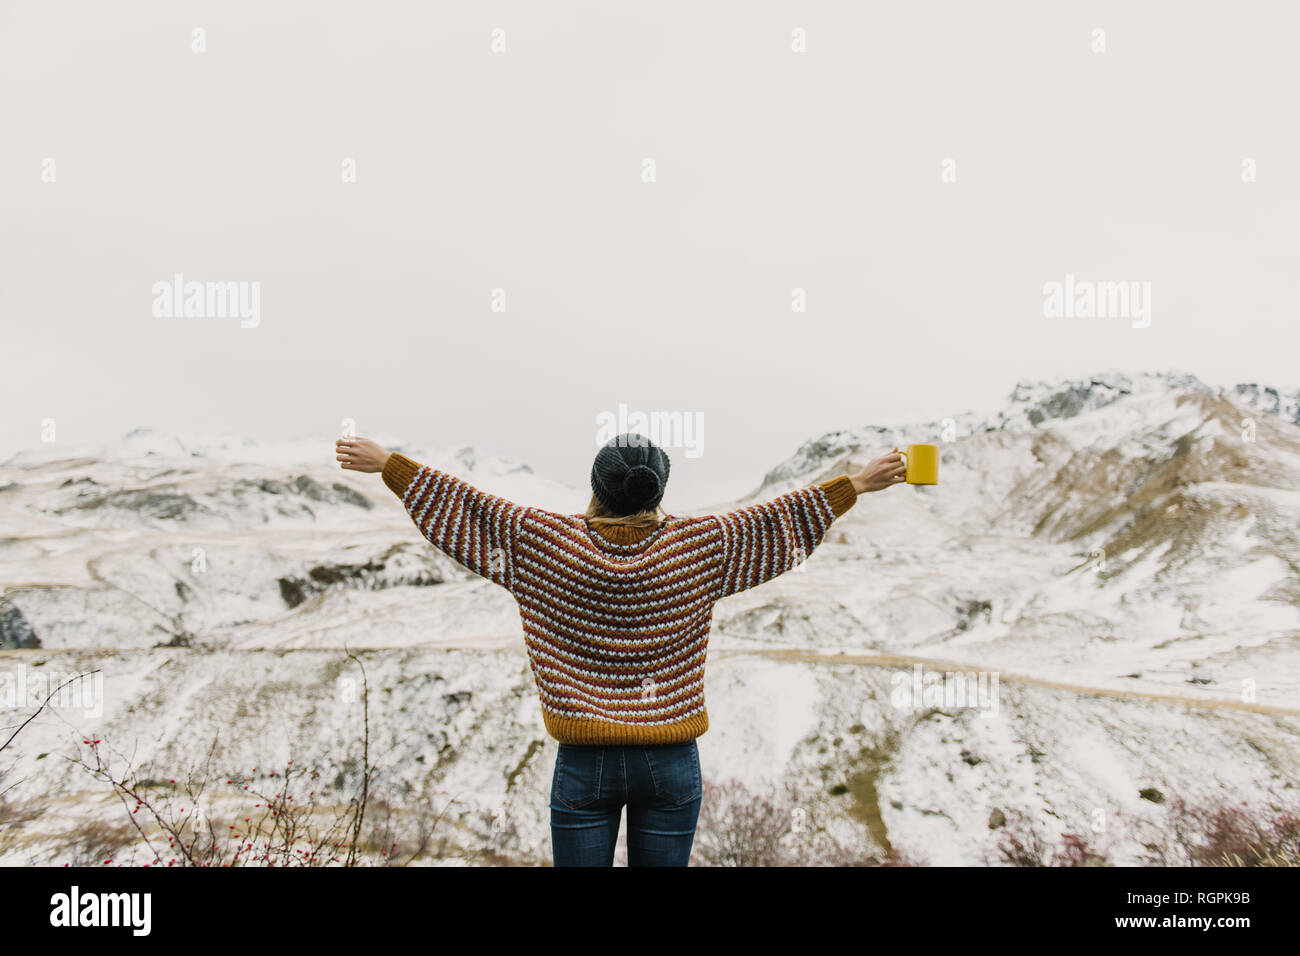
(1122, 552)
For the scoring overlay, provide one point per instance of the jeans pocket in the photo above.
(577, 775)
(675, 770)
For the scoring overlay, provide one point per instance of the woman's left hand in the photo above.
(884, 472)
(360, 454)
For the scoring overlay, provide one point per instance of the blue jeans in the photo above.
(661, 786)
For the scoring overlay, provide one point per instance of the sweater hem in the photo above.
(589, 731)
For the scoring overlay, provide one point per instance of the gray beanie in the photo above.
(629, 474)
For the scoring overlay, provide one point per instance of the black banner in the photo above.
(943, 905)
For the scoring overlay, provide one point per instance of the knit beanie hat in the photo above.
(629, 474)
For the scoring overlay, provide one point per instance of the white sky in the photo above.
(522, 171)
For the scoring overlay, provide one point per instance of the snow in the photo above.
(1108, 682)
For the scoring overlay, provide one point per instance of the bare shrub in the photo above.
(502, 846)
(1021, 843)
(1209, 834)
(95, 843)
(279, 821)
(282, 818)
(738, 827)
(12, 817)
(401, 838)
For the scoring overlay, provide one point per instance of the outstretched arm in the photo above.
(768, 539)
(475, 528)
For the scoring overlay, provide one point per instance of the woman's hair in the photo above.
(598, 514)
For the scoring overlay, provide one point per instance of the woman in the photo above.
(616, 607)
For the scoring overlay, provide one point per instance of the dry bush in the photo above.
(1210, 834)
(738, 827)
(402, 837)
(502, 845)
(12, 816)
(841, 855)
(282, 817)
(280, 820)
(1021, 843)
(1284, 856)
(95, 842)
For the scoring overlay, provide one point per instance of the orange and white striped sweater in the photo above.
(616, 621)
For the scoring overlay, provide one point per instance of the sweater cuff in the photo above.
(841, 493)
(399, 471)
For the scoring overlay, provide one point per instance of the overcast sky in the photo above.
(519, 176)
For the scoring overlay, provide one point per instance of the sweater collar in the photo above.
(623, 534)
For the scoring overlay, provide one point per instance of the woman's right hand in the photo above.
(360, 454)
(881, 473)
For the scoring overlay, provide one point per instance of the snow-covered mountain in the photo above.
(1148, 525)
(1122, 552)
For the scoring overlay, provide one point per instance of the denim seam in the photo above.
(587, 799)
(663, 793)
(649, 760)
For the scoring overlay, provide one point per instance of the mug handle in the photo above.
(906, 459)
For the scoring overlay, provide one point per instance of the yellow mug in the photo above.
(922, 464)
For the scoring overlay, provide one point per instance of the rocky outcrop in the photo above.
(145, 502)
(1271, 401)
(393, 569)
(15, 632)
(308, 487)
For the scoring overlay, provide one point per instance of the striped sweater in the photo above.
(616, 621)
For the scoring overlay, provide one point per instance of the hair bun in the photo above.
(641, 484)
